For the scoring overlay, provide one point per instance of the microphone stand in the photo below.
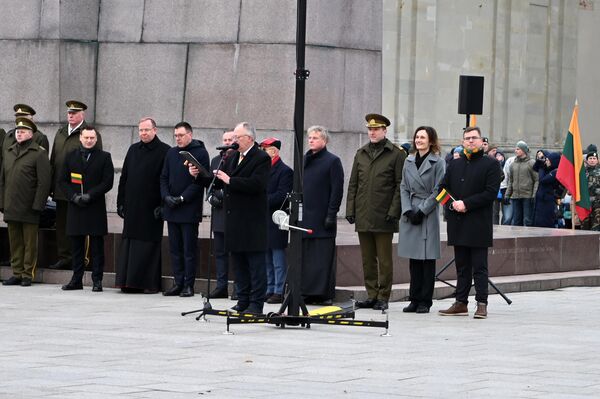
(211, 248)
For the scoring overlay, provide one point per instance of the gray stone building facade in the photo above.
(537, 57)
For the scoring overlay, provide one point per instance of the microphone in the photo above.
(282, 219)
(232, 146)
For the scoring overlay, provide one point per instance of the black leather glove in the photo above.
(172, 201)
(409, 215)
(86, 199)
(506, 200)
(350, 219)
(121, 211)
(391, 219)
(76, 199)
(417, 217)
(330, 223)
(157, 213)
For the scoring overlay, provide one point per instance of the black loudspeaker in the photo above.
(470, 95)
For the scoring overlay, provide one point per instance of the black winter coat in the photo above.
(281, 182)
(97, 176)
(323, 187)
(217, 214)
(175, 180)
(476, 182)
(245, 201)
(139, 190)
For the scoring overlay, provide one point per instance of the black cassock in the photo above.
(139, 261)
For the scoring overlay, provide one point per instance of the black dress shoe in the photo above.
(269, 295)
(73, 285)
(380, 305)
(12, 281)
(423, 309)
(173, 291)
(411, 308)
(187, 292)
(368, 304)
(61, 265)
(219, 293)
(97, 287)
(239, 307)
(254, 309)
(149, 291)
(275, 298)
(26, 282)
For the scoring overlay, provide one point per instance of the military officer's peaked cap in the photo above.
(23, 109)
(376, 120)
(25, 123)
(271, 142)
(75, 106)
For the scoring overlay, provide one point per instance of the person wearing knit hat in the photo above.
(522, 186)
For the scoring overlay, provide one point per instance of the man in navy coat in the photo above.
(281, 182)
(182, 209)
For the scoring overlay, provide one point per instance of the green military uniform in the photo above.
(24, 187)
(373, 203)
(64, 143)
(592, 222)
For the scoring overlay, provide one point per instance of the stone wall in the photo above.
(526, 50)
(210, 62)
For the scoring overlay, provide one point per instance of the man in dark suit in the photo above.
(217, 220)
(182, 209)
(87, 175)
(245, 178)
(65, 141)
(281, 182)
(473, 180)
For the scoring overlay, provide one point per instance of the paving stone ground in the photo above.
(81, 344)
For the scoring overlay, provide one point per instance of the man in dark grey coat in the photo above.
(87, 175)
(473, 180)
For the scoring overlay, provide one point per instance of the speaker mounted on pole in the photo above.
(470, 95)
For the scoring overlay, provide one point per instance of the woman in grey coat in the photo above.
(420, 223)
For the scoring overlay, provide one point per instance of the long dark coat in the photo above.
(418, 189)
(175, 180)
(24, 183)
(97, 175)
(63, 145)
(544, 214)
(281, 182)
(323, 188)
(245, 201)
(217, 215)
(139, 190)
(374, 188)
(476, 182)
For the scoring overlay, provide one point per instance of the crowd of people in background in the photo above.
(392, 188)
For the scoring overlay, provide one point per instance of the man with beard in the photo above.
(87, 176)
(182, 208)
(138, 203)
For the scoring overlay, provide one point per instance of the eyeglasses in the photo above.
(472, 138)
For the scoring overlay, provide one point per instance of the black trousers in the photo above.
(471, 264)
(221, 260)
(422, 281)
(250, 277)
(183, 240)
(96, 257)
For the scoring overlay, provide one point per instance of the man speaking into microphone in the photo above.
(244, 179)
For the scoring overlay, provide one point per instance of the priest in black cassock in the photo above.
(138, 266)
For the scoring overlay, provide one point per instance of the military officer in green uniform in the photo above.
(24, 188)
(26, 111)
(373, 203)
(65, 141)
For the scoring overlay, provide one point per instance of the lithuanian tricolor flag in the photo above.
(443, 197)
(76, 178)
(571, 170)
